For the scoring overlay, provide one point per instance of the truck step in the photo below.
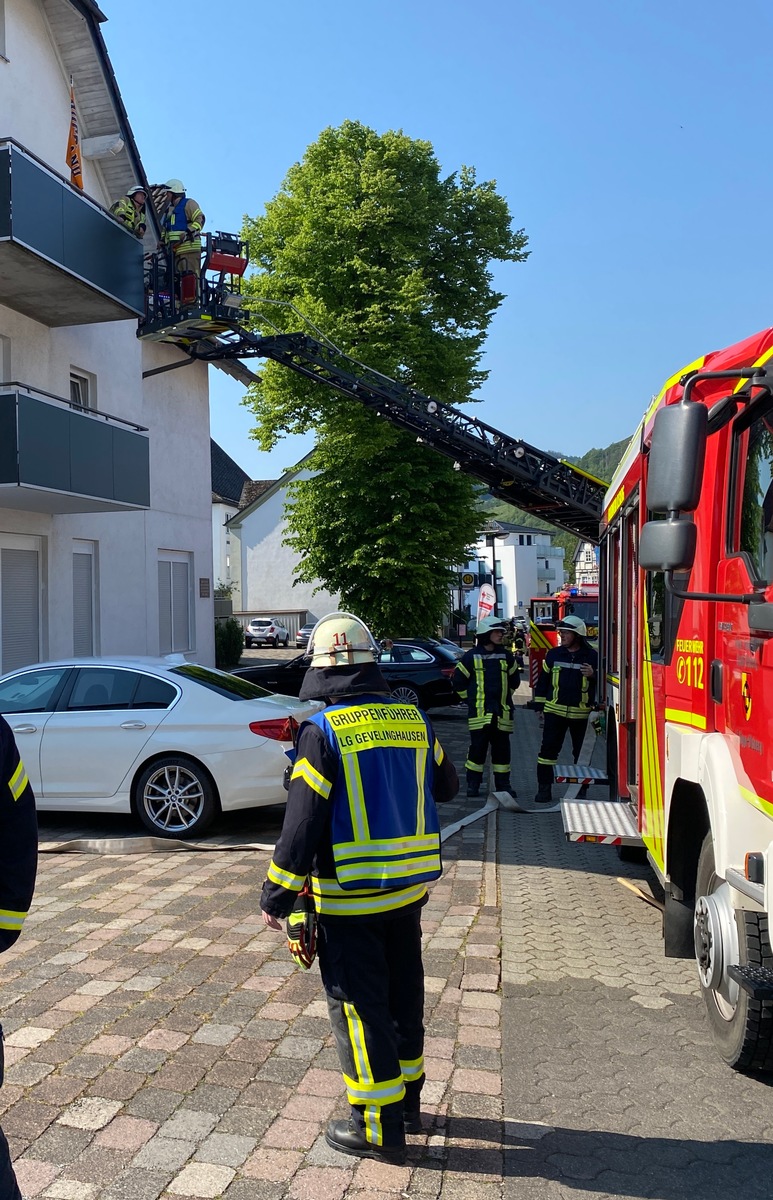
(607, 822)
(578, 773)
(757, 981)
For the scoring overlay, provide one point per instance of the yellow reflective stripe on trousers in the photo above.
(412, 1068)
(10, 919)
(311, 776)
(18, 781)
(285, 879)
(331, 899)
(364, 1082)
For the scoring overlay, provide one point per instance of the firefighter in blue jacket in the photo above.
(566, 687)
(486, 676)
(361, 821)
(18, 865)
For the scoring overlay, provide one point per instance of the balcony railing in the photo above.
(56, 457)
(64, 260)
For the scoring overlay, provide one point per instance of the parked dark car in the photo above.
(302, 636)
(454, 647)
(417, 674)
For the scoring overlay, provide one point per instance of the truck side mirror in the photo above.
(676, 457)
(667, 545)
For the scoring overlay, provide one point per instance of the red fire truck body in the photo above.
(546, 611)
(687, 657)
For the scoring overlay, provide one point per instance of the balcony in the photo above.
(58, 458)
(63, 259)
(546, 573)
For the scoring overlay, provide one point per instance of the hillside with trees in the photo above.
(601, 462)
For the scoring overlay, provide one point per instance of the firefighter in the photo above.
(486, 676)
(361, 821)
(181, 224)
(18, 864)
(130, 211)
(566, 687)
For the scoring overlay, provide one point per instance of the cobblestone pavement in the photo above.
(161, 1044)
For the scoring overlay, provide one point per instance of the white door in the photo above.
(27, 700)
(91, 744)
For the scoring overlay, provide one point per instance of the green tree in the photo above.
(391, 261)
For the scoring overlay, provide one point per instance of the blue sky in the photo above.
(630, 138)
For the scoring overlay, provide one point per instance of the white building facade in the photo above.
(105, 501)
(519, 560)
(263, 568)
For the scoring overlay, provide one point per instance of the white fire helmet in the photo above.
(176, 186)
(340, 639)
(486, 624)
(572, 624)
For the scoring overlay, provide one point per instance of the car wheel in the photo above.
(286, 642)
(174, 798)
(248, 643)
(404, 692)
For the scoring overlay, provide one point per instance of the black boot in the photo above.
(544, 796)
(505, 786)
(473, 785)
(343, 1137)
(412, 1120)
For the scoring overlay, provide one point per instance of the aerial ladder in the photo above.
(214, 328)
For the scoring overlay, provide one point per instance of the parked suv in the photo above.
(265, 631)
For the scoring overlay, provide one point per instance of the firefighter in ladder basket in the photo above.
(361, 821)
(181, 224)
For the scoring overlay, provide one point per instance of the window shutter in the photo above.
(82, 605)
(19, 608)
(164, 607)
(181, 606)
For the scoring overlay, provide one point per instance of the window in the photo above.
(528, 539)
(498, 568)
(520, 539)
(5, 342)
(3, 50)
(153, 692)
(102, 688)
(83, 389)
(83, 600)
(32, 691)
(174, 602)
(755, 536)
(19, 602)
(233, 687)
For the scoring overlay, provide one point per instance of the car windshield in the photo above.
(230, 686)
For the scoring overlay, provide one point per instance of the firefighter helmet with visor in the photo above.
(486, 624)
(176, 186)
(341, 639)
(572, 624)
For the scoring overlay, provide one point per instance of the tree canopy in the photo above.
(390, 261)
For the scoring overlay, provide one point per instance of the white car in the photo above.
(265, 631)
(173, 742)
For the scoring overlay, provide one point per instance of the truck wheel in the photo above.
(742, 1028)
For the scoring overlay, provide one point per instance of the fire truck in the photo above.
(546, 611)
(687, 656)
(686, 618)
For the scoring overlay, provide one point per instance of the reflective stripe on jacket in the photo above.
(486, 679)
(562, 687)
(18, 839)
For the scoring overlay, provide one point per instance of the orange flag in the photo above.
(74, 145)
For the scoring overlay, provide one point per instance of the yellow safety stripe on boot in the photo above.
(547, 762)
(471, 766)
(500, 768)
(364, 1082)
(18, 781)
(285, 879)
(412, 1068)
(311, 776)
(10, 919)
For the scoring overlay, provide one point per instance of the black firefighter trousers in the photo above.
(374, 982)
(499, 741)
(553, 734)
